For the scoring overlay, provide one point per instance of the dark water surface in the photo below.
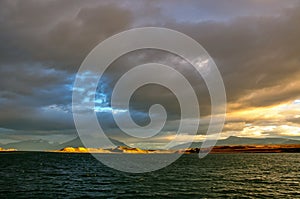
(54, 175)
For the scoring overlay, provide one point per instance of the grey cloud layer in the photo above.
(44, 42)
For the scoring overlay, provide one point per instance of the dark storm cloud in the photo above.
(255, 56)
(23, 79)
(41, 42)
(59, 33)
(253, 53)
(203, 10)
(44, 42)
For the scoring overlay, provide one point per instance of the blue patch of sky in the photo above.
(296, 101)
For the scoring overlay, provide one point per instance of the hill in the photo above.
(43, 145)
(233, 140)
(93, 143)
(31, 145)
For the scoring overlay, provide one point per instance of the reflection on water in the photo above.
(55, 175)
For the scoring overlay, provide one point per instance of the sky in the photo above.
(255, 44)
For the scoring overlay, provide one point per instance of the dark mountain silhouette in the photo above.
(240, 140)
(31, 145)
(233, 140)
(93, 142)
(292, 142)
(43, 145)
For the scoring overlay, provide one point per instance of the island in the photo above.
(7, 150)
(288, 148)
(117, 150)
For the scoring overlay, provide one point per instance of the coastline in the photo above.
(287, 148)
(229, 149)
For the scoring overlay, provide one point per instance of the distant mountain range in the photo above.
(31, 145)
(233, 140)
(78, 143)
(43, 145)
